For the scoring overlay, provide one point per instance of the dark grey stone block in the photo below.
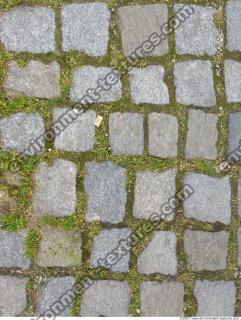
(206, 250)
(105, 187)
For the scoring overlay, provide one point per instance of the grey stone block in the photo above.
(55, 191)
(162, 135)
(162, 299)
(234, 136)
(88, 77)
(59, 248)
(232, 72)
(35, 80)
(197, 35)
(215, 298)
(137, 24)
(105, 244)
(85, 27)
(194, 83)
(77, 135)
(206, 250)
(106, 298)
(28, 29)
(239, 247)
(55, 297)
(148, 86)
(18, 131)
(126, 133)
(211, 200)
(12, 250)
(105, 187)
(202, 135)
(233, 16)
(13, 295)
(160, 255)
(152, 191)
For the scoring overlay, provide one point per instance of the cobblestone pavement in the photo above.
(77, 237)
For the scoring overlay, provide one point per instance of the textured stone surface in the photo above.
(59, 248)
(18, 130)
(28, 29)
(198, 35)
(77, 135)
(85, 27)
(106, 298)
(162, 299)
(232, 72)
(234, 136)
(206, 250)
(12, 250)
(194, 83)
(202, 135)
(13, 296)
(55, 297)
(88, 77)
(35, 80)
(233, 17)
(55, 191)
(138, 23)
(105, 187)
(105, 243)
(126, 133)
(148, 86)
(160, 254)
(152, 190)
(215, 298)
(211, 200)
(162, 135)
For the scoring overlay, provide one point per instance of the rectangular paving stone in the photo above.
(233, 16)
(105, 185)
(194, 83)
(211, 200)
(104, 253)
(152, 192)
(232, 73)
(206, 250)
(59, 248)
(198, 34)
(35, 80)
(160, 255)
(55, 189)
(234, 136)
(12, 250)
(148, 86)
(19, 131)
(13, 295)
(162, 299)
(95, 85)
(28, 29)
(126, 133)
(137, 24)
(55, 297)
(215, 298)
(106, 298)
(202, 135)
(73, 133)
(162, 135)
(85, 27)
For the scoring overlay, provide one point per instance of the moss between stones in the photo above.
(68, 61)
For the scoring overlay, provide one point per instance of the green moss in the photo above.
(32, 243)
